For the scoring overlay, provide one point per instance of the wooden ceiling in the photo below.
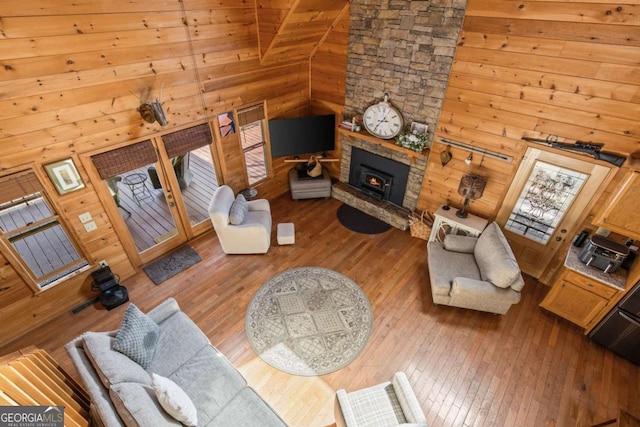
(291, 30)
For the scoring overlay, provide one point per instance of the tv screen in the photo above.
(302, 135)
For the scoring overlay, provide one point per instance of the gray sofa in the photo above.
(121, 392)
(476, 273)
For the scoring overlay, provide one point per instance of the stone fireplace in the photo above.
(405, 48)
(382, 160)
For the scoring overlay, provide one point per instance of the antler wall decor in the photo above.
(151, 111)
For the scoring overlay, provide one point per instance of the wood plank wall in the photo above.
(328, 79)
(536, 68)
(71, 78)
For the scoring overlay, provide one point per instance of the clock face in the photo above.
(382, 120)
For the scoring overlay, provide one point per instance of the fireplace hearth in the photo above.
(379, 179)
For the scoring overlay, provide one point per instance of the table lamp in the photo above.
(471, 187)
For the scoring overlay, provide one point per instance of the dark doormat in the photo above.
(171, 264)
(360, 222)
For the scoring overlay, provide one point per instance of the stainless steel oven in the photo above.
(619, 331)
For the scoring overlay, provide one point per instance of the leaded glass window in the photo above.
(544, 200)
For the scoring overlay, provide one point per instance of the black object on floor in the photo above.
(171, 264)
(360, 222)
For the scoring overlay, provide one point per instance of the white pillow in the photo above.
(174, 400)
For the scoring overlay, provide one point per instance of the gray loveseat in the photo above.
(477, 273)
(121, 392)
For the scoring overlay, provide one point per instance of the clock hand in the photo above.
(384, 119)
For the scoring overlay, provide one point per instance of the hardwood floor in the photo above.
(526, 368)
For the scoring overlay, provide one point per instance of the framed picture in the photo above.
(419, 128)
(64, 176)
(227, 125)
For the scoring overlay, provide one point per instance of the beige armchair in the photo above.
(392, 403)
(477, 273)
(252, 235)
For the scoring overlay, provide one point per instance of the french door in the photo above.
(550, 196)
(159, 190)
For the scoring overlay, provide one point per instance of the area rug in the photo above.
(171, 264)
(360, 222)
(309, 321)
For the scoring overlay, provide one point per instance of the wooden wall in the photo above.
(328, 77)
(71, 78)
(534, 68)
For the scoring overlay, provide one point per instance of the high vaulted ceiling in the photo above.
(291, 30)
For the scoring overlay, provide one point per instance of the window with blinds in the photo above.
(30, 228)
(251, 123)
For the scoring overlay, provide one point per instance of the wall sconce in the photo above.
(469, 159)
(471, 187)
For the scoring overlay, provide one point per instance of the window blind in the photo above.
(18, 185)
(181, 142)
(125, 159)
(250, 114)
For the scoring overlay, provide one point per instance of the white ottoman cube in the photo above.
(286, 233)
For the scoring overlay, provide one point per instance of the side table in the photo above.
(136, 183)
(446, 222)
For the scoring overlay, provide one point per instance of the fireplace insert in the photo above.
(378, 177)
(374, 183)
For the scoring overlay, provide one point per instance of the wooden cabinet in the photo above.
(580, 299)
(622, 214)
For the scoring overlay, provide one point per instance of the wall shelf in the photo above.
(387, 143)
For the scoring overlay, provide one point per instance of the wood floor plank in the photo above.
(526, 368)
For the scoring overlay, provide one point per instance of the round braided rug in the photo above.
(309, 321)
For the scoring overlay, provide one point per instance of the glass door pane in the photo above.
(544, 200)
(197, 179)
(142, 203)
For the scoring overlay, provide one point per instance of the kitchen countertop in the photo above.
(617, 279)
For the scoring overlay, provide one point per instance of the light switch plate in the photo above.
(85, 217)
(90, 226)
(603, 232)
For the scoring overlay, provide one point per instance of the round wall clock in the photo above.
(383, 119)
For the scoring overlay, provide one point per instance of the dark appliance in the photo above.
(603, 254)
(580, 239)
(112, 294)
(302, 135)
(619, 331)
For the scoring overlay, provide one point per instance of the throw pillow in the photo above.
(239, 210)
(137, 337)
(464, 244)
(111, 366)
(494, 257)
(174, 400)
(138, 406)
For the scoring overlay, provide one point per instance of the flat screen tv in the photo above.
(302, 135)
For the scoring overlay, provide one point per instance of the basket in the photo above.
(420, 225)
